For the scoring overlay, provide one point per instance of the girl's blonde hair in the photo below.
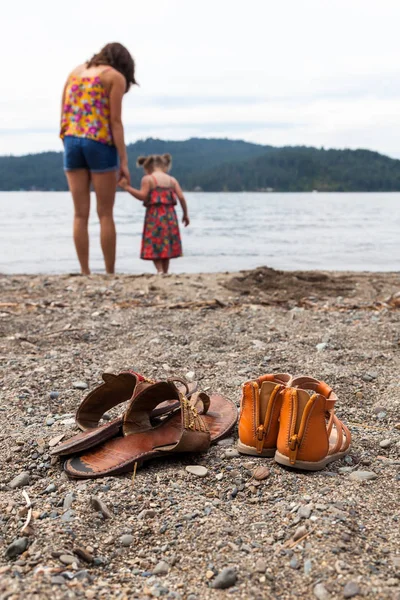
(155, 160)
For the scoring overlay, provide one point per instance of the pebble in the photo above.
(126, 540)
(57, 580)
(225, 579)
(147, 514)
(307, 566)
(20, 480)
(17, 547)
(261, 565)
(161, 568)
(50, 421)
(68, 559)
(368, 377)
(50, 488)
(231, 453)
(351, 589)
(68, 500)
(68, 516)
(54, 395)
(362, 475)
(80, 385)
(294, 563)
(300, 532)
(385, 443)
(55, 440)
(261, 473)
(83, 554)
(304, 512)
(225, 442)
(320, 347)
(382, 415)
(197, 470)
(210, 574)
(101, 507)
(190, 375)
(320, 592)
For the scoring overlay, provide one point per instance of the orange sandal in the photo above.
(310, 434)
(259, 414)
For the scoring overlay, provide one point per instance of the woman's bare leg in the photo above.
(79, 186)
(105, 185)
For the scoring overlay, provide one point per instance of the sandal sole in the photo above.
(251, 451)
(304, 465)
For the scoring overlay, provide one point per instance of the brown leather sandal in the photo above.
(115, 390)
(310, 434)
(185, 429)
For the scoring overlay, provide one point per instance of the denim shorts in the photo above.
(84, 153)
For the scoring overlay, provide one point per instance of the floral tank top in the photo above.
(86, 110)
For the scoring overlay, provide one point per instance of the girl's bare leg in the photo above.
(105, 185)
(165, 265)
(79, 186)
(158, 263)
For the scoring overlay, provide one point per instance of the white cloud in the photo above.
(314, 72)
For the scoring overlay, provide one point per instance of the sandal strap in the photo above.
(320, 387)
(194, 433)
(115, 390)
(281, 378)
(342, 442)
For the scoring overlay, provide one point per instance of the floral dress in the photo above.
(161, 238)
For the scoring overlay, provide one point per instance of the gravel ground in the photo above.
(169, 533)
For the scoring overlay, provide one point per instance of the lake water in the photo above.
(228, 232)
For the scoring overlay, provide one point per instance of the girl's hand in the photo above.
(185, 220)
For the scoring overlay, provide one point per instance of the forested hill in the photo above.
(228, 165)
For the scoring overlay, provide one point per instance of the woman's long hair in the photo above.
(117, 56)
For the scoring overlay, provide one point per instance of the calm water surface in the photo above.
(228, 232)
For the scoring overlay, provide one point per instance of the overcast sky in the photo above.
(281, 72)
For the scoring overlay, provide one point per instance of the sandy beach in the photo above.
(169, 533)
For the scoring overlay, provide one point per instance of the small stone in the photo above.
(20, 480)
(382, 415)
(50, 488)
(101, 507)
(304, 511)
(231, 453)
(54, 395)
(161, 568)
(197, 470)
(385, 443)
(261, 565)
(320, 347)
(126, 540)
(83, 554)
(351, 589)
(68, 559)
(57, 580)
(80, 385)
(368, 377)
(190, 375)
(261, 473)
(300, 532)
(68, 516)
(294, 563)
(90, 594)
(320, 592)
(50, 421)
(359, 395)
(225, 442)
(210, 574)
(17, 547)
(219, 476)
(307, 566)
(362, 475)
(68, 500)
(225, 579)
(147, 514)
(55, 440)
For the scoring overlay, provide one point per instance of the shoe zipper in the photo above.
(261, 430)
(295, 438)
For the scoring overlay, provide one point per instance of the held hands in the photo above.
(186, 220)
(123, 183)
(124, 173)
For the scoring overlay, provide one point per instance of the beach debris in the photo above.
(261, 473)
(29, 507)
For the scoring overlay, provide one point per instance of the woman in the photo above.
(94, 147)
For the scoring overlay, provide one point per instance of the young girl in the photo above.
(161, 239)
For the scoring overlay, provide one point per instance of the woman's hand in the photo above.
(123, 183)
(124, 172)
(186, 220)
